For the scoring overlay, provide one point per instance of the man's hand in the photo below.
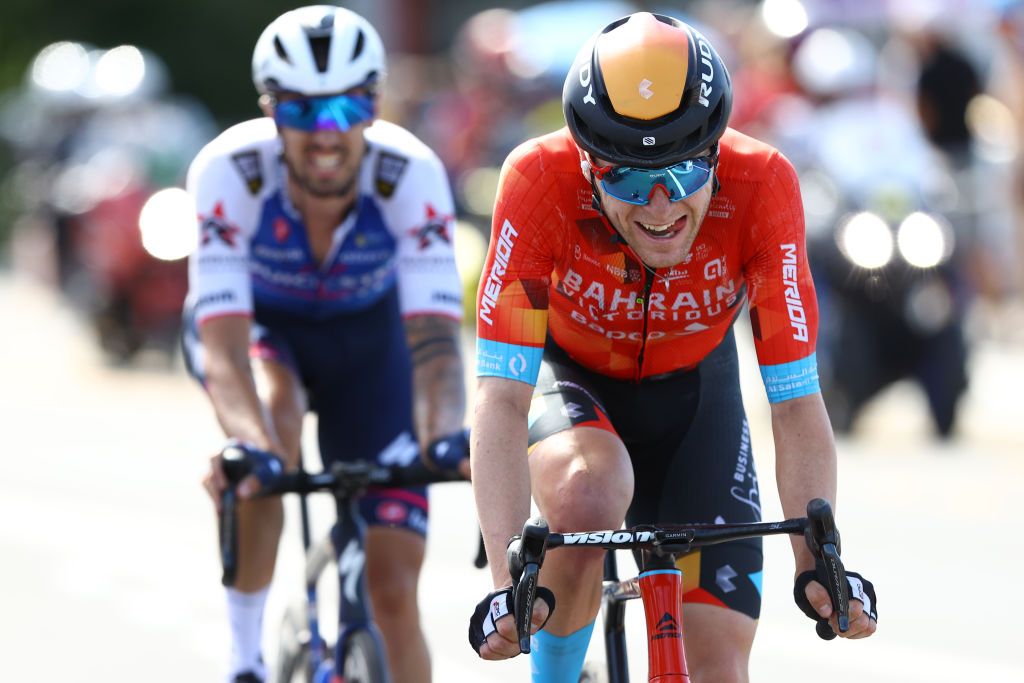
(492, 628)
(450, 453)
(263, 466)
(814, 601)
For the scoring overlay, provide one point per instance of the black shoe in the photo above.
(248, 677)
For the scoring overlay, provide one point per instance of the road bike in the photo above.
(659, 583)
(304, 654)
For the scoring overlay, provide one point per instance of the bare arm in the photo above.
(501, 475)
(230, 383)
(439, 391)
(805, 461)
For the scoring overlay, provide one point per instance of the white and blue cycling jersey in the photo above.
(253, 250)
(338, 324)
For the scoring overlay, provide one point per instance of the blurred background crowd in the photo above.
(904, 119)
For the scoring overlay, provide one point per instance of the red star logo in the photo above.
(216, 225)
(435, 227)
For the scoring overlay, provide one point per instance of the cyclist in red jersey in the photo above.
(622, 251)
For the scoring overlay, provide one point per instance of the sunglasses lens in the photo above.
(635, 185)
(339, 112)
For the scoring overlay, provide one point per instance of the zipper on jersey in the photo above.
(646, 303)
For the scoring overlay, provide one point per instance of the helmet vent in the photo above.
(358, 49)
(321, 46)
(279, 48)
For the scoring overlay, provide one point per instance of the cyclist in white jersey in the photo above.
(325, 280)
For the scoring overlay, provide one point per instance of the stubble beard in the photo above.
(341, 189)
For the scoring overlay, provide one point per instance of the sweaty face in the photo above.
(661, 232)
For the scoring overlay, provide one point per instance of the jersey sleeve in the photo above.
(512, 300)
(421, 216)
(783, 306)
(226, 214)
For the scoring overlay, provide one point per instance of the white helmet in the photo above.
(317, 50)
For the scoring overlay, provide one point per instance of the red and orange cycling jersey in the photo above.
(556, 267)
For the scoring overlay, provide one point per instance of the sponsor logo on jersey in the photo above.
(446, 298)
(721, 207)
(390, 168)
(249, 167)
(517, 364)
(492, 288)
(216, 227)
(282, 229)
(794, 304)
(223, 297)
(391, 512)
(268, 253)
(435, 229)
(615, 303)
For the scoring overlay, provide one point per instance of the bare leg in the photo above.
(394, 558)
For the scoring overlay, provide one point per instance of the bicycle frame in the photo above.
(348, 536)
(659, 587)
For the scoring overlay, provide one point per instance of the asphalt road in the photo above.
(108, 566)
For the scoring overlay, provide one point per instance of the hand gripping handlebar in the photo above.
(525, 557)
(822, 538)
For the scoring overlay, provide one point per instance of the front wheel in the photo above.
(293, 656)
(364, 659)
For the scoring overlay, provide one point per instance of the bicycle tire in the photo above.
(292, 665)
(364, 659)
(293, 650)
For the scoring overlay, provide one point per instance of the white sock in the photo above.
(245, 612)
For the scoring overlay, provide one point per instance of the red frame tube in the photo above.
(662, 593)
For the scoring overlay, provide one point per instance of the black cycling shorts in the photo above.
(356, 370)
(689, 442)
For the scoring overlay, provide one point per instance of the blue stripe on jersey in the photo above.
(791, 380)
(498, 359)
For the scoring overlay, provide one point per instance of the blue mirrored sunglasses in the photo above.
(335, 112)
(637, 185)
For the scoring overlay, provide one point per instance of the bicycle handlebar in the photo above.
(343, 479)
(526, 553)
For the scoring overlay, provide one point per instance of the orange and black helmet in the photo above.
(647, 91)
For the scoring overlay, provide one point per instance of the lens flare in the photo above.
(923, 240)
(168, 224)
(866, 240)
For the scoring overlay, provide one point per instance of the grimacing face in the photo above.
(638, 223)
(324, 163)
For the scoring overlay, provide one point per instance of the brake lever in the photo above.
(236, 467)
(822, 538)
(525, 557)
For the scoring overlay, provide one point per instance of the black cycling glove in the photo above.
(496, 605)
(860, 589)
(241, 459)
(447, 452)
